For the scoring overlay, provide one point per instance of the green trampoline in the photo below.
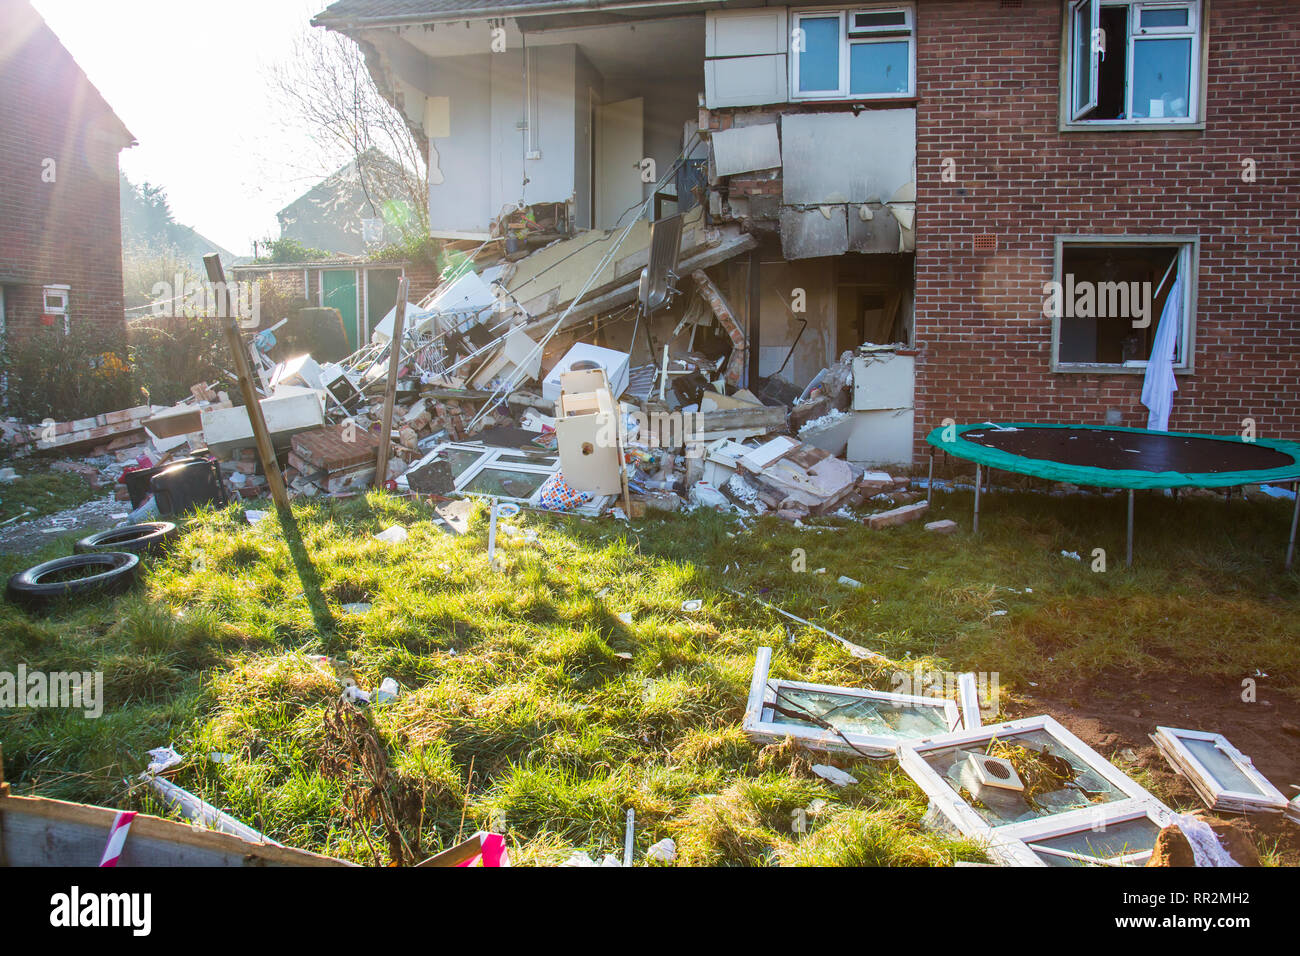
(1128, 458)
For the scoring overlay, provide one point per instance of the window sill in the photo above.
(1104, 126)
(909, 100)
(1085, 369)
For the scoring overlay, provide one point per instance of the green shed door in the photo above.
(339, 291)
(381, 294)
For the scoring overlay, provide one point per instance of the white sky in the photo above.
(188, 79)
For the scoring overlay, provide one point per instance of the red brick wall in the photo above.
(989, 87)
(67, 231)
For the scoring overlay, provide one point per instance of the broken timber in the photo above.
(261, 437)
(390, 387)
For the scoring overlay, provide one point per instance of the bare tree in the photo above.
(328, 87)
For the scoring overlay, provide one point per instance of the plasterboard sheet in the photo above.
(810, 233)
(745, 149)
(842, 158)
(745, 81)
(745, 32)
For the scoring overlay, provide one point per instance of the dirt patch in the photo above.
(26, 537)
(1130, 708)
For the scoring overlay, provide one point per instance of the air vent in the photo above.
(995, 772)
(1010, 4)
(985, 243)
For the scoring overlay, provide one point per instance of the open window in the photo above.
(859, 54)
(1132, 62)
(1036, 794)
(825, 717)
(1109, 295)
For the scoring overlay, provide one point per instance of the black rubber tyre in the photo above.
(81, 575)
(145, 538)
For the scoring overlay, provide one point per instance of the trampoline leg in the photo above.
(1295, 519)
(975, 527)
(929, 485)
(1128, 561)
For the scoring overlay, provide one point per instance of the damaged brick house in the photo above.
(918, 173)
(60, 224)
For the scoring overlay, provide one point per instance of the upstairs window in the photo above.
(859, 54)
(1133, 62)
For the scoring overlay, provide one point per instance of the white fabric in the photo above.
(1206, 848)
(1159, 385)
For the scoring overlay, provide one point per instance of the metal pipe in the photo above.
(1295, 519)
(1128, 561)
(975, 528)
(929, 484)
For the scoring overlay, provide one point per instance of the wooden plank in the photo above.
(41, 832)
(261, 437)
(390, 387)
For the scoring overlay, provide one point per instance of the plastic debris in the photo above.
(393, 535)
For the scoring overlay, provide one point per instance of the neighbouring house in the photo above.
(60, 231)
(356, 209)
(1010, 191)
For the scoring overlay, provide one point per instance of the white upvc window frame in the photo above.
(63, 292)
(1269, 797)
(1072, 113)
(1189, 258)
(495, 458)
(764, 692)
(881, 35)
(1159, 816)
(1009, 843)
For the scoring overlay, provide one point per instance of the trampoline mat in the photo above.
(1131, 451)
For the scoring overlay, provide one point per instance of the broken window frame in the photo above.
(1014, 852)
(496, 458)
(1073, 116)
(763, 692)
(1269, 797)
(890, 34)
(1188, 270)
(1010, 842)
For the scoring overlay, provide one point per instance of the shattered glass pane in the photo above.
(1115, 840)
(862, 715)
(1220, 766)
(1055, 778)
(460, 459)
(506, 484)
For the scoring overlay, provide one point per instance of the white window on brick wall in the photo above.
(1132, 63)
(1108, 296)
(54, 306)
(862, 53)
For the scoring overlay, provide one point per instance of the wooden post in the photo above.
(243, 370)
(390, 387)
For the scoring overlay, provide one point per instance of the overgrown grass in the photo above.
(38, 491)
(568, 714)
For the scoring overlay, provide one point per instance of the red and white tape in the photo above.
(117, 838)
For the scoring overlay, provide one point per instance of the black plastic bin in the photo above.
(187, 485)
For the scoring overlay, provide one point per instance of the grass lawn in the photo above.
(39, 491)
(528, 704)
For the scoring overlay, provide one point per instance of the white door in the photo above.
(620, 147)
